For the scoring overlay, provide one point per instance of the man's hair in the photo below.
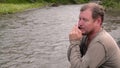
(97, 10)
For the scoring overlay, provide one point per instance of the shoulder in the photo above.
(105, 38)
(107, 41)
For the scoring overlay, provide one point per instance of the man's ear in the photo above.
(98, 21)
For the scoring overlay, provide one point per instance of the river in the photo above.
(39, 38)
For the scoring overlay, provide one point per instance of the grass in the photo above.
(7, 8)
(12, 6)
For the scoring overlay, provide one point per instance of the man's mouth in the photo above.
(80, 27)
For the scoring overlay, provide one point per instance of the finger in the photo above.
(75, 29)
(78, 30)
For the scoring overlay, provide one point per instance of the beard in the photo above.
(85, 32)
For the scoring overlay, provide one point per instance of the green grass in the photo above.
(111, 3)
(12, 7)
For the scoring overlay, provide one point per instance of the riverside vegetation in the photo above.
(12, 6)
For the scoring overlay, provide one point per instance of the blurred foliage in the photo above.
(67, 1)
(48, 1)
(12, 6)
(111, 3)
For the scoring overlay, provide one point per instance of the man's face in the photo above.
(86, 22)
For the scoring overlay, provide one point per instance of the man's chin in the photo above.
(83, 33)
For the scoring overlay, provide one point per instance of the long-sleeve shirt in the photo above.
(102, 52)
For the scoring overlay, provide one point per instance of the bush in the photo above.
(48, 1)
(110, 3)
(67, 1)
(20, 1)
(81, 1)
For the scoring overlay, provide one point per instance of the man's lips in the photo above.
(80, 27)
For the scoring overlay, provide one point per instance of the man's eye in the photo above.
(85, 19)
(79, 18)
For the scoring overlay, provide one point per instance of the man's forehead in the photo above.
(86, 12)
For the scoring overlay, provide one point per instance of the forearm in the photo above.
(74, 55)
(92, 59)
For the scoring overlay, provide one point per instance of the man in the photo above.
(90, 45)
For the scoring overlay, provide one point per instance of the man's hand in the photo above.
(75, 34)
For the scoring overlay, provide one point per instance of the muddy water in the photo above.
(39, 38)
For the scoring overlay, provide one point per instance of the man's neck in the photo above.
(93, 34)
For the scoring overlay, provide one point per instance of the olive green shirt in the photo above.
(102, 52)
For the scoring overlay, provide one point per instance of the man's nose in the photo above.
(80, 23)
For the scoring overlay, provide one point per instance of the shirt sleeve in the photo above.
(92, 59)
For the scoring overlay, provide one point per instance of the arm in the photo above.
(92, 59)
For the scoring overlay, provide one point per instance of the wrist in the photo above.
(75, 42)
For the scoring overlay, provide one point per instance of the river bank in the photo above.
(13, 6)
(9, 8)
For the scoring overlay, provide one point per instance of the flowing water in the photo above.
(39, 38)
